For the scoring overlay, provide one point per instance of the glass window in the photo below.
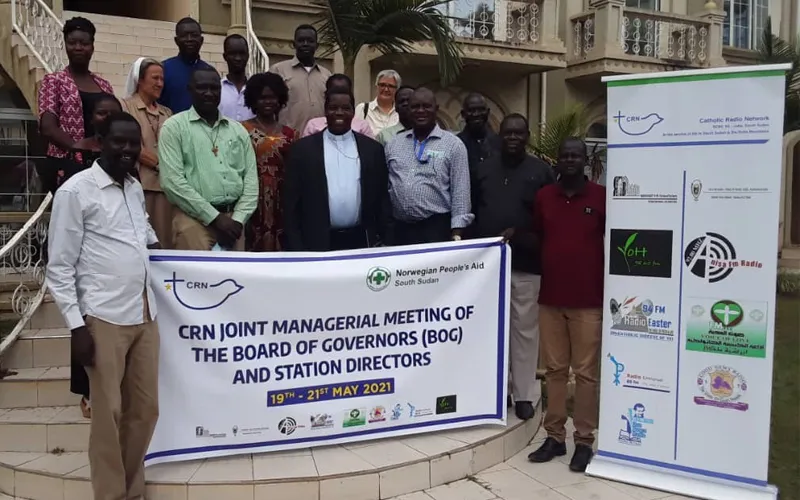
(744, 23)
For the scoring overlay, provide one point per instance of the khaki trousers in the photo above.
(524, 335)
(571, 337)
(190, 234)
(159, 210)
(124, 387)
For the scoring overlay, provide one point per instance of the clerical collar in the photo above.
(339, 138)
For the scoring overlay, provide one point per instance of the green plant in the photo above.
(788, 282)
(573, 122)
(624, 250)
(389, 26)
(775, 50)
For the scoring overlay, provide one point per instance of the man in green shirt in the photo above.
(208, 170)
(401, 99)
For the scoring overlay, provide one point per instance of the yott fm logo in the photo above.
(378, 278)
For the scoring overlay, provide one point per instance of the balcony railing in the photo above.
(503, 21)
(583, 35)
(665, 37)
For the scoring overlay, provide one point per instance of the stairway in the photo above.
(44, 438)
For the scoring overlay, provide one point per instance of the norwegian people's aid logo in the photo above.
(201, 295)
(378, 278)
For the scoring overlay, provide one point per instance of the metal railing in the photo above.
(504, 21)
(668, 37)
(259, 60)
(23, 260)
(40, 30)
(583, 35)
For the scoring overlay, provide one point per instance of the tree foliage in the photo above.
(775, 50)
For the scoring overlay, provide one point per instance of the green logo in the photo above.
(727, 313)
(631, 251)
(378, 278)
(354, 418)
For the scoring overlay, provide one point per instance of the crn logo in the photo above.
(201, 295)
(636, 125)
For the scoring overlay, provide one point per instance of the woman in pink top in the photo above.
(343, 82)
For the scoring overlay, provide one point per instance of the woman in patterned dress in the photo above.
(266, 94)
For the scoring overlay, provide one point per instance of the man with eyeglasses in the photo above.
(178, 70)
(381, 112)
(429, 183)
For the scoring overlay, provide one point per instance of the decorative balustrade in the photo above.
(259, 60)
(40, 30)
(23, 258)
(666, 37)
(583, 35)
(503, 21)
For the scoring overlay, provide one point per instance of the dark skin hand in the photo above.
(228, 230)
(82, 345)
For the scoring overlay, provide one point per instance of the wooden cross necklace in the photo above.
(213, 139)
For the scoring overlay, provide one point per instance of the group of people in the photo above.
(286, 160)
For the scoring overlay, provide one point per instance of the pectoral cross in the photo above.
(215, 150)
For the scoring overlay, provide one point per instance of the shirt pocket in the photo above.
(235, 152)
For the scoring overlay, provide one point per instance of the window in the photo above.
(744, 23)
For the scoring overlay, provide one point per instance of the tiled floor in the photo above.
(518, 479)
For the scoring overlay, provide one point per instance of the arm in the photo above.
(173, 178)
(292, 199)
(49, 103)
(460, 189)
(152, 239)
(65, 240)
(249, 200)
(365, 129)
(307, 130)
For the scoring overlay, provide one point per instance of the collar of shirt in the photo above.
(138, 103)
(373, 106)
(578, 193)
(436, 132)
(225, 81)
(347, 137)
(183, 62)
(194, 117)
(296, 62)
(104, 180)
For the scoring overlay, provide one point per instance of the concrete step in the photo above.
(37, 387)
(43, 430)
(379, 469)
(44, 348)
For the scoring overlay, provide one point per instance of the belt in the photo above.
(225, 208)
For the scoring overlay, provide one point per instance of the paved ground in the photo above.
(518, 479)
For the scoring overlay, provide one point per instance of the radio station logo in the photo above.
(712, 257)
(446, 404)
(415, 412)
(637, 125)
(624, 189)
(726, 326)
(378, 278)
(288, 425)
(634, 430)
(199, 295)
(727, 192)
(641, 252)
(696, 188)
(640, 318)
(321, 421)
(397, 411)
(203, 432)
(722, 387)
(355, 417)
(377, 414)
(630, 380)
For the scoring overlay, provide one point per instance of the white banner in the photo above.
(694, 165)
(263, 352)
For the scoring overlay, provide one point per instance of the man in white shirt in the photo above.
(99, 276)
(236, 54)
(380, 113)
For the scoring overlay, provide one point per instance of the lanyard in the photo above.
(419, 150)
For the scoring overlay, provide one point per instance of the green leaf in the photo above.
(775, 50)
(630, 241)
(621, 250)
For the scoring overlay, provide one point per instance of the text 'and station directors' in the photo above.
(414, 331)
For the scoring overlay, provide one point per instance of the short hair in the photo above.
(332, 92)
(338, 76)
(203, 69)
(79, 24)
(473, 95)
(188, 20)
(234, 36)
(406, 87)
(389, 73)
(574, 139)
(258, 82)
(145, 64)
(306, 27)
(117, 116)
(515, 116)
(106, 97)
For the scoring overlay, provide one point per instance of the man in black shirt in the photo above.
(477, 136)
(503, 192)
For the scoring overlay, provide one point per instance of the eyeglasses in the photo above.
(386, 86)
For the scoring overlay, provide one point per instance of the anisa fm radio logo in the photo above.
(201, 295)
(636, 125)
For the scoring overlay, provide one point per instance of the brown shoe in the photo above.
(86, 409)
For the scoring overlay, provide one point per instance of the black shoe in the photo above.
(581, 458)
(524, 410)
(549, 450)
(509, 402)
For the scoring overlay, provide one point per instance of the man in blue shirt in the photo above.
(178, 70)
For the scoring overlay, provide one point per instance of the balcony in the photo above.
(614, 39)
(522, 32)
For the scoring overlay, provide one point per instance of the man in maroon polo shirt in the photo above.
(570, 217)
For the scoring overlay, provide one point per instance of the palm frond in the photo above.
(775, 50)
(389, 26)
(573, 122)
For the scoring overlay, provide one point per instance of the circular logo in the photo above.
(287, 426)
(756, 315)
(710, 257)
(727, 313)
(378, 278)
(647, 307)
(354, 414)
(722, 386)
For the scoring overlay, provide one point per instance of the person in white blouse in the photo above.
(99, 276)
(380, 113)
